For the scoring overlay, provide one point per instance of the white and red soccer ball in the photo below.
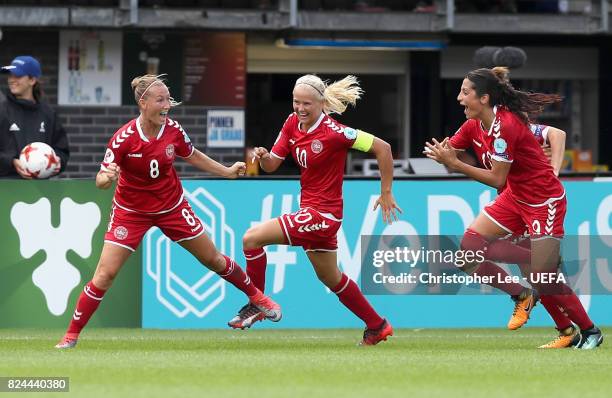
(40, 160)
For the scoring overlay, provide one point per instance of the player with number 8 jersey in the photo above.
(141, 155)
(148, 182)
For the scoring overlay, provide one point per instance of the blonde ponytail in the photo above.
(340, 94)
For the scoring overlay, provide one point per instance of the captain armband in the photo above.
(363, 142)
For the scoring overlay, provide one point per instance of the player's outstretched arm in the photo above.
(442, 153)
(382, 150)
(105, 178)
(556, 150)
(202, 162)
(267, 162)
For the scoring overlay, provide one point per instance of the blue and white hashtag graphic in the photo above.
(182, 284)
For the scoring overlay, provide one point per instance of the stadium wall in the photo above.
(53, 235)
(89, 128)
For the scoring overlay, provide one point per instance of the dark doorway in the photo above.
(269, 102)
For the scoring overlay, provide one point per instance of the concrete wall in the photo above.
(89, 128)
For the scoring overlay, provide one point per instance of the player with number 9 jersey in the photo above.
(498, 129)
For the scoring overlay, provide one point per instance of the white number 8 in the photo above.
(188, 217)
(154, 168)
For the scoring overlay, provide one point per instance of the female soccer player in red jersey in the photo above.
(552, 142)
(319, 145)
(140, 156)
(532, 195)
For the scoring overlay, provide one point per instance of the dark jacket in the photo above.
(23, 122)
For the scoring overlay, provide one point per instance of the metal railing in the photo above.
(581, 16)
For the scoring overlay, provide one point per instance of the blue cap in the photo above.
(23, 65)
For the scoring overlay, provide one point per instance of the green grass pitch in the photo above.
(309, 363)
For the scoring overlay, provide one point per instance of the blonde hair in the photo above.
(142, 84)
(336, 96)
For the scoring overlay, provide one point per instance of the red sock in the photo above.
(88, 303)
(505, 251)
(236, 276)
(489, 269)
(349, 294)
(256, 262)
(574, 309)
(560, 318)
(564, 297)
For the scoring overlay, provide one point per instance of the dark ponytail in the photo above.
(496, 84)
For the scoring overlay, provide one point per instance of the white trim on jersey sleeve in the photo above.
(190, 153)
(500, 159)
(276, 156)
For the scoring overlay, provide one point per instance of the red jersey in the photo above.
(531, 176)
(320, 153)
(148, 182)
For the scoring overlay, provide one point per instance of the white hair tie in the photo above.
(148, 87)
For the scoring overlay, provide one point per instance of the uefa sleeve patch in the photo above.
(350, 133)
(500, 145)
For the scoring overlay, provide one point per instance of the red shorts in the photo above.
(126, 228)
(515, 217)
(310, 229)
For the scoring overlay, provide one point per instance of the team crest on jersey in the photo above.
(109, 156)
(316, 146)
(121, 232)
(170, 151)
(500, 145)
(350, 133)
